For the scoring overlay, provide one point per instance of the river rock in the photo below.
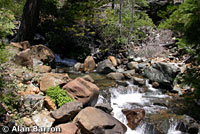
(134, 117)
(43, 68)
(35, 55)
(43, 119)
(122, 83)
(49, 103)
(52, 79)
(115, 76)
(83, 91)
(129, 74)
(138, 81)
(89, 64)
(105, 107)
(113, 60)
(78, 67)
(67, 112)
(95, 121)
(105, 67)
(132, 65)
(68, 128)
(163, 73)
(88, 78)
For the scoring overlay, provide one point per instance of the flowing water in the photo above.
(150, 99)
(131, 97)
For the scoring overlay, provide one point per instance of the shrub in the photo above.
(6, 23)
(58, 95)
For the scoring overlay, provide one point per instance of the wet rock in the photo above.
(134, 117)
(49, 103)
(132, 65)
(68, 128)
(88, 78)
(43, 68)
(22, 45)
(52, 79)
(31, 103)
(138, 81)
(105, 107)
(95, 121)
(155, 84)
(67, 112)
(43, 119)
(115, 76)
(113, 60)
(89, 64)
(129, 74)
(35, 55)
(163, 73)
(83, 91)
(105, 67)
(122, 83)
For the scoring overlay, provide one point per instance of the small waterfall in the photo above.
(130, 98)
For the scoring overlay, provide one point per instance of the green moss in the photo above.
(58, 95)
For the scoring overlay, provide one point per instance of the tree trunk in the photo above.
(29, 21)
(113, 4)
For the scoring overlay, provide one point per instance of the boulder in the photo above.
(113, 60)
(96, 121)
(83, 91)
(129, 74)
(35, 55)
(134, 117)
(132, 65)
(31, 89)
(43, 68)
(138, 81)
(68, 128)
(89, 64)
(78, 67)
(52, 79)
(163, 73)
(43, 119)
(88, 78)
(67, 112)
(105, 107)
(21, 45)
(115, 76)
(105, 67)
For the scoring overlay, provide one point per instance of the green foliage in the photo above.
(15, 6)
(110, 31)
(8, 93)
(6, 23)
(58, 95)
(185, 22)
(164, 14)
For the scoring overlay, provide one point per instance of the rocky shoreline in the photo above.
(32, 68)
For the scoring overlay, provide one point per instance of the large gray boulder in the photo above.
(163, 73)
(105, 67)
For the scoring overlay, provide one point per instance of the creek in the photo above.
(158, 118)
